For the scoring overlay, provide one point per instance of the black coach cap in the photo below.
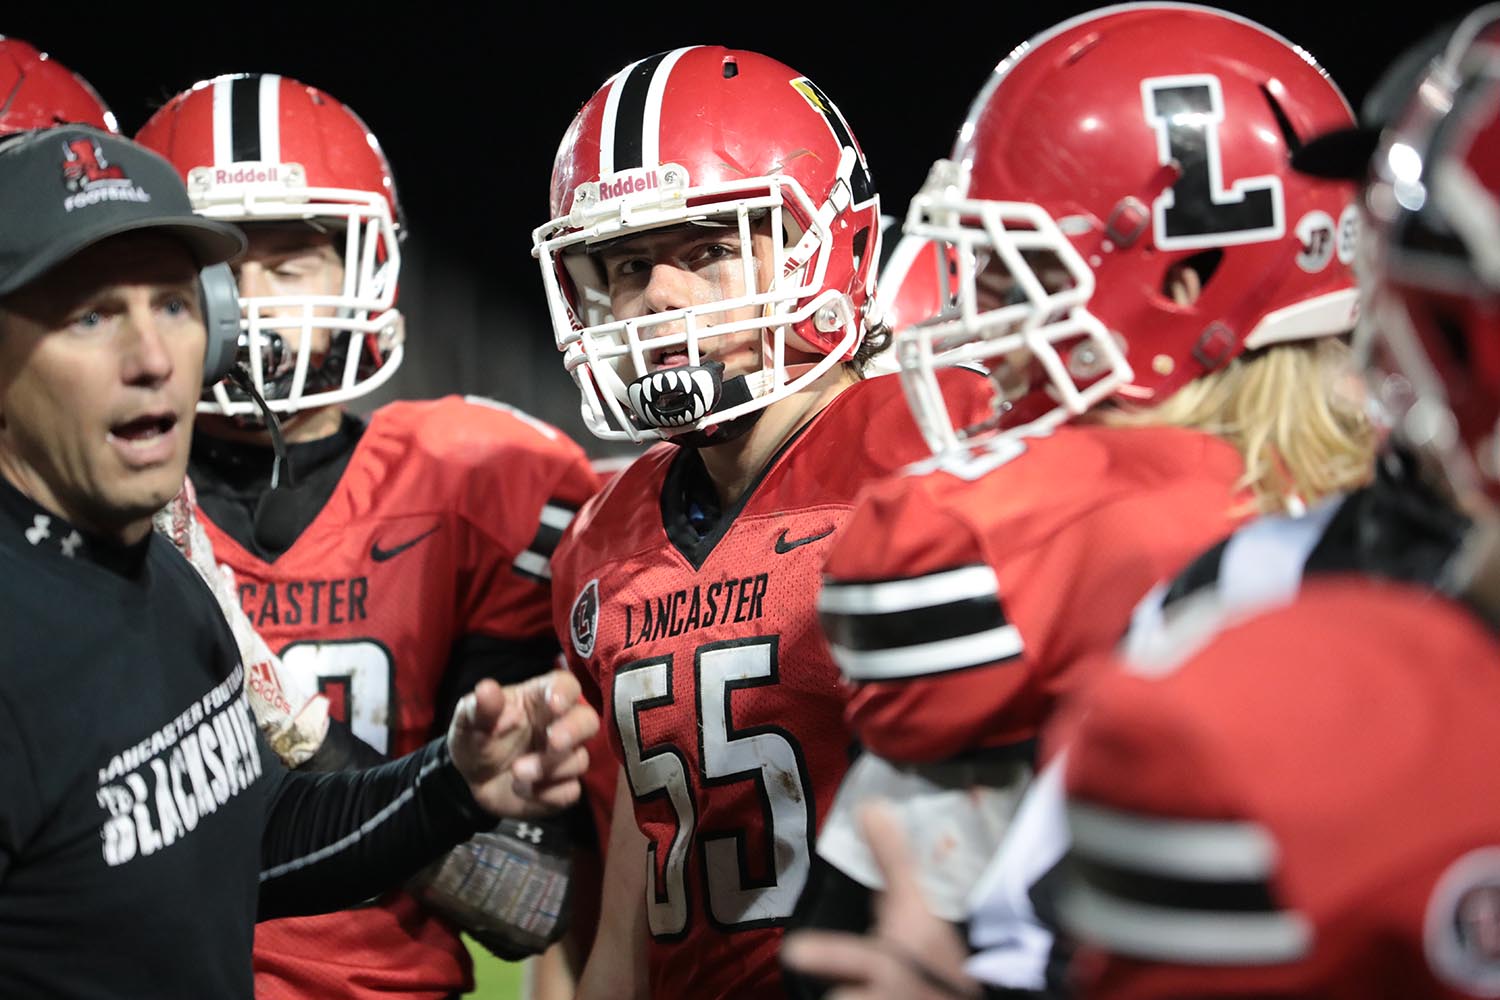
(64, 189)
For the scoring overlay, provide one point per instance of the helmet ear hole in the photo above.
(791, 232)
(1188, 278)
(859, 244)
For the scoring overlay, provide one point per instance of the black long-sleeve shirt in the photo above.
(144, 824)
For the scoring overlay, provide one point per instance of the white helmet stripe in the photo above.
(629, 134)
(611, 113)
(651, 124)
(247, 119)
(223, 117)
(270, 118)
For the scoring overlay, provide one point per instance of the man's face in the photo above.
(291, 259)
(690, 265)
(101, 362)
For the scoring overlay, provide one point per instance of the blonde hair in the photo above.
(1295, 412)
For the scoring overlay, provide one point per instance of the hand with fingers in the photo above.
(911, 954)
(521, 747)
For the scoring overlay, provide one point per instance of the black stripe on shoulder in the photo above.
(932, 623)
(544, 543)
(1253, 896)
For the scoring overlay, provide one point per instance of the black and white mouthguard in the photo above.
(677, 397)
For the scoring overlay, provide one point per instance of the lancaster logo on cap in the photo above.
(92, 178)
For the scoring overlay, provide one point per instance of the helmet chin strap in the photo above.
(735, 391)
(277, 357)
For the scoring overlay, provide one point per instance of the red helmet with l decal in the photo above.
(1104, 157)
(729, 141)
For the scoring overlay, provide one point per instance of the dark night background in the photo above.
(470, 103)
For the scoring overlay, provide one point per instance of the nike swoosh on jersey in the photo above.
(783, 546)
(381, 555)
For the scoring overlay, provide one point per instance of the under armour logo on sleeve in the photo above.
(39, 529)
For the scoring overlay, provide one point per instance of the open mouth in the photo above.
(145, 429)
(669, 357)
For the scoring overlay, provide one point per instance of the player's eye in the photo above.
(297, 270)
(712, 253)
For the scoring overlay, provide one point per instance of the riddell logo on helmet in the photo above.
(248, 173)
(628, 184)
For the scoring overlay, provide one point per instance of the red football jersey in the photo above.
(1301, 806)
(441, 526)
(705, 661)
(990, 583)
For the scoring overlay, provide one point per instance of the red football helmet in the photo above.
(263, 148)
(37, 91)
(721, 139)
(916, 285)
(1101, 156)
(1433, 247)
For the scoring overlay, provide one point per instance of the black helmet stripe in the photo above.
(247, 118)
(632, 116)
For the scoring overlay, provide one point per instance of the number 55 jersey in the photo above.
(697, 638)
(432, 545)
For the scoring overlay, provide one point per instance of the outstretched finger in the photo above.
(562, 690)
(844, 958)
(482, 710)
(887, 840)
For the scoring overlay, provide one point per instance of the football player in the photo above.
(1160, 300)
(397, 559)
(708, 269)
(1315, 783)
(1401, 526)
